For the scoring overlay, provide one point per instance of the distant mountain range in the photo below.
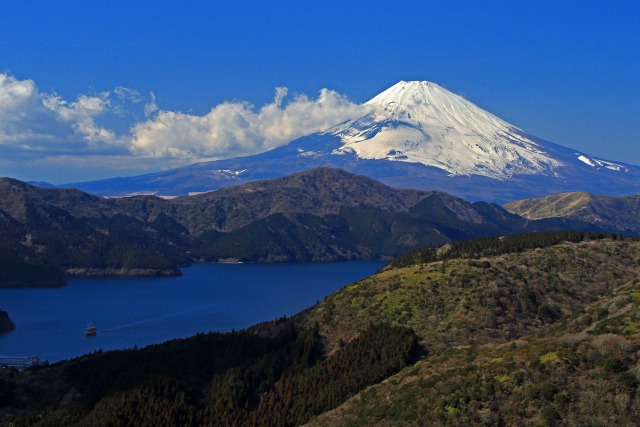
(621, 213)
(415, 135)
(318, 215)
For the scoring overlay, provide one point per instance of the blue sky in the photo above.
(89, 89)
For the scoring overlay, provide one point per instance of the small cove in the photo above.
(132, 312)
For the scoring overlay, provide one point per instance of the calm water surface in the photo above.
(50, 322)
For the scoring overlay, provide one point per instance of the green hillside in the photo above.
(582, 370)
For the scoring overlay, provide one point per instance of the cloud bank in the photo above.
(39, 126)
(236, 128)
(34, 122)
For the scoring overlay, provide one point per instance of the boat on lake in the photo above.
(91, 329)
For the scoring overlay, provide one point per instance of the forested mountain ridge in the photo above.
(543, 331)
(318, 215)
(46, 232)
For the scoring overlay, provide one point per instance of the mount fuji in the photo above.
(416, 134)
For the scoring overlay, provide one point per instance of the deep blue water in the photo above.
(50, 322)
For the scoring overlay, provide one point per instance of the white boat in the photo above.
(91, 329)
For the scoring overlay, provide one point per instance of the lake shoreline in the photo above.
(123, 272)
(139, 311)
(87, 272)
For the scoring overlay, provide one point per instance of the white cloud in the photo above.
(127, 94)
(81, 114)
(235, 128)
(47, 123)
(151, 106)
(281, 93)
(23, 116)
(14, 94)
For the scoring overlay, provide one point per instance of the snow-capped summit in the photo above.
(415, 134)
(421, 122)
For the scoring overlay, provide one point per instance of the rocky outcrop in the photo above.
(6, 324)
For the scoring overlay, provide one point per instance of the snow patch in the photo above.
(308, 153)
(585, 159)
(227, 173)
(599, 163)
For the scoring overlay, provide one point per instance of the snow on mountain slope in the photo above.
(599, 163)
(420, 122)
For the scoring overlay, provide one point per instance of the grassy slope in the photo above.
(462, 301)
(496, 354)
(620, 213)
(582, 371)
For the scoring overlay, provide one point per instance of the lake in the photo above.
(50, 322)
